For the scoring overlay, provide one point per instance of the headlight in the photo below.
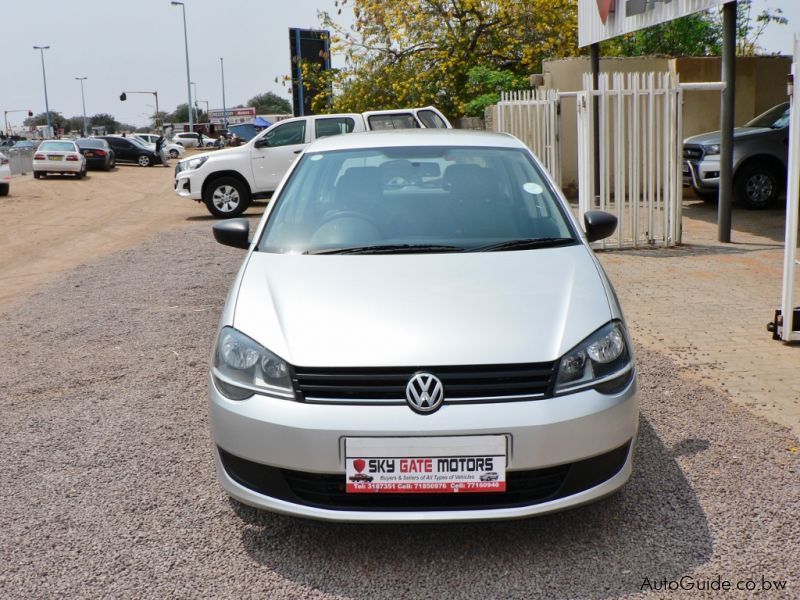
(601, 358)
(712, 149)
(193, 163)
(243, 367)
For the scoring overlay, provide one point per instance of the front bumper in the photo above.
(269, 438)
(701, 174)
(188, 184)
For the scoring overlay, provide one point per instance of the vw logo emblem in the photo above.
(424, 393)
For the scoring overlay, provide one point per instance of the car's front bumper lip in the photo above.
(310, 438)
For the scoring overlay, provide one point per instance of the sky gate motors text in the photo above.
(426, 465)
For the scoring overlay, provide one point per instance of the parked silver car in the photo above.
(417, 309)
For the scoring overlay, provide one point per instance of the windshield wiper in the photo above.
(524, 244)
(388, 249)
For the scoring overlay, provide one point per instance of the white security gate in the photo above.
(640, 157)
(532, 116)
(787, 328)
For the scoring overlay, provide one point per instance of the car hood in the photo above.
(713, 137)
(421, 309)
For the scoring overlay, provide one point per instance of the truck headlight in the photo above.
(242, 367)
(598, 361)
(712, 149)
(193, 163)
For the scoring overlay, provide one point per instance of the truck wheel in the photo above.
(756, 186)
(144, 161)
(226, 197)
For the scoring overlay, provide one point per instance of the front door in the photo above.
(275, 151)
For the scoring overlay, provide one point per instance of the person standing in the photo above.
(160, 150)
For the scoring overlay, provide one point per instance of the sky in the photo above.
(138, 45)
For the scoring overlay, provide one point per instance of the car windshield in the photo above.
(57, 147)
(416, 199)
(138, 142)
(776, 117)
(91, 143)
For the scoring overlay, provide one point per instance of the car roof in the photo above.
(415, 137)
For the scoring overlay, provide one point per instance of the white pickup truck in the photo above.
(227, 180)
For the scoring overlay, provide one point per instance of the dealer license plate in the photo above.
(427, 465)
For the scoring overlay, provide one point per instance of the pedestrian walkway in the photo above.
(707, 304)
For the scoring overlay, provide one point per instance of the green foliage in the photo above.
(485, 84)
(57, 120)
(270, 104)
(419, 52)
(105, 120)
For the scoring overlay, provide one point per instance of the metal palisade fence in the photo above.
(533, 117)
(640, 156)
(640, 150)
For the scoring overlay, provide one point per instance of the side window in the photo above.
(335, 126)
(286, 134)
(431, 120)
(393, 121)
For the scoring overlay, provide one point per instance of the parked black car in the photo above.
(98, 153)
(129, 149)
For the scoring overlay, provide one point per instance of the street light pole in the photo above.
(196, 116)
(186, 47)
(83, 101)
(41, 49)
(224, 108)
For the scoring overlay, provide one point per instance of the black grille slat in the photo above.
(693, 152)
(389, 383)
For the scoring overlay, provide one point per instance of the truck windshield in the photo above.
(416, 199)
(776, 117)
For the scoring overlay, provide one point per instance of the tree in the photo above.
(270, 104)
(56, 120)
(485, 86)
(75, 124)
(180, 114)
(105, 120)
(413, 53)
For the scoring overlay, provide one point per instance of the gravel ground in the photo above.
(107, 483)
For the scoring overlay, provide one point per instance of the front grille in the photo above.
(479, 383)
(523, 488)
(692, 152)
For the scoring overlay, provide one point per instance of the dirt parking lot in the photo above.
(112, 287)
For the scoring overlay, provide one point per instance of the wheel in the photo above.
(36, 174)
(144, 161)
(173, 153)
(80, 174)
(226, 197)
(756, 186)
(4, 189)
(108, 166)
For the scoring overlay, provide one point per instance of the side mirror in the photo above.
(233, 232)
(261, 143)
(599, 224)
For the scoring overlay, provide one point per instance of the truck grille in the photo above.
(477, 383)
(691, 152)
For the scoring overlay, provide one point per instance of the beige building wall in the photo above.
(761, 84)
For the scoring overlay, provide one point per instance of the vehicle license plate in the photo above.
(426, 465)
(89, 154)
(685, 169)
(54, 157)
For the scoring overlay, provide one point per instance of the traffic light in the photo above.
(30, 113)
(123, 96)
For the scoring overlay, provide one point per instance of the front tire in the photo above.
(226, 197)
(144, 161)
(756, 186)
(173, 153)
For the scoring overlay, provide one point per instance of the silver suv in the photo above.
(760, 153)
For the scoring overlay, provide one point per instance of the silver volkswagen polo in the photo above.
(420, 332)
